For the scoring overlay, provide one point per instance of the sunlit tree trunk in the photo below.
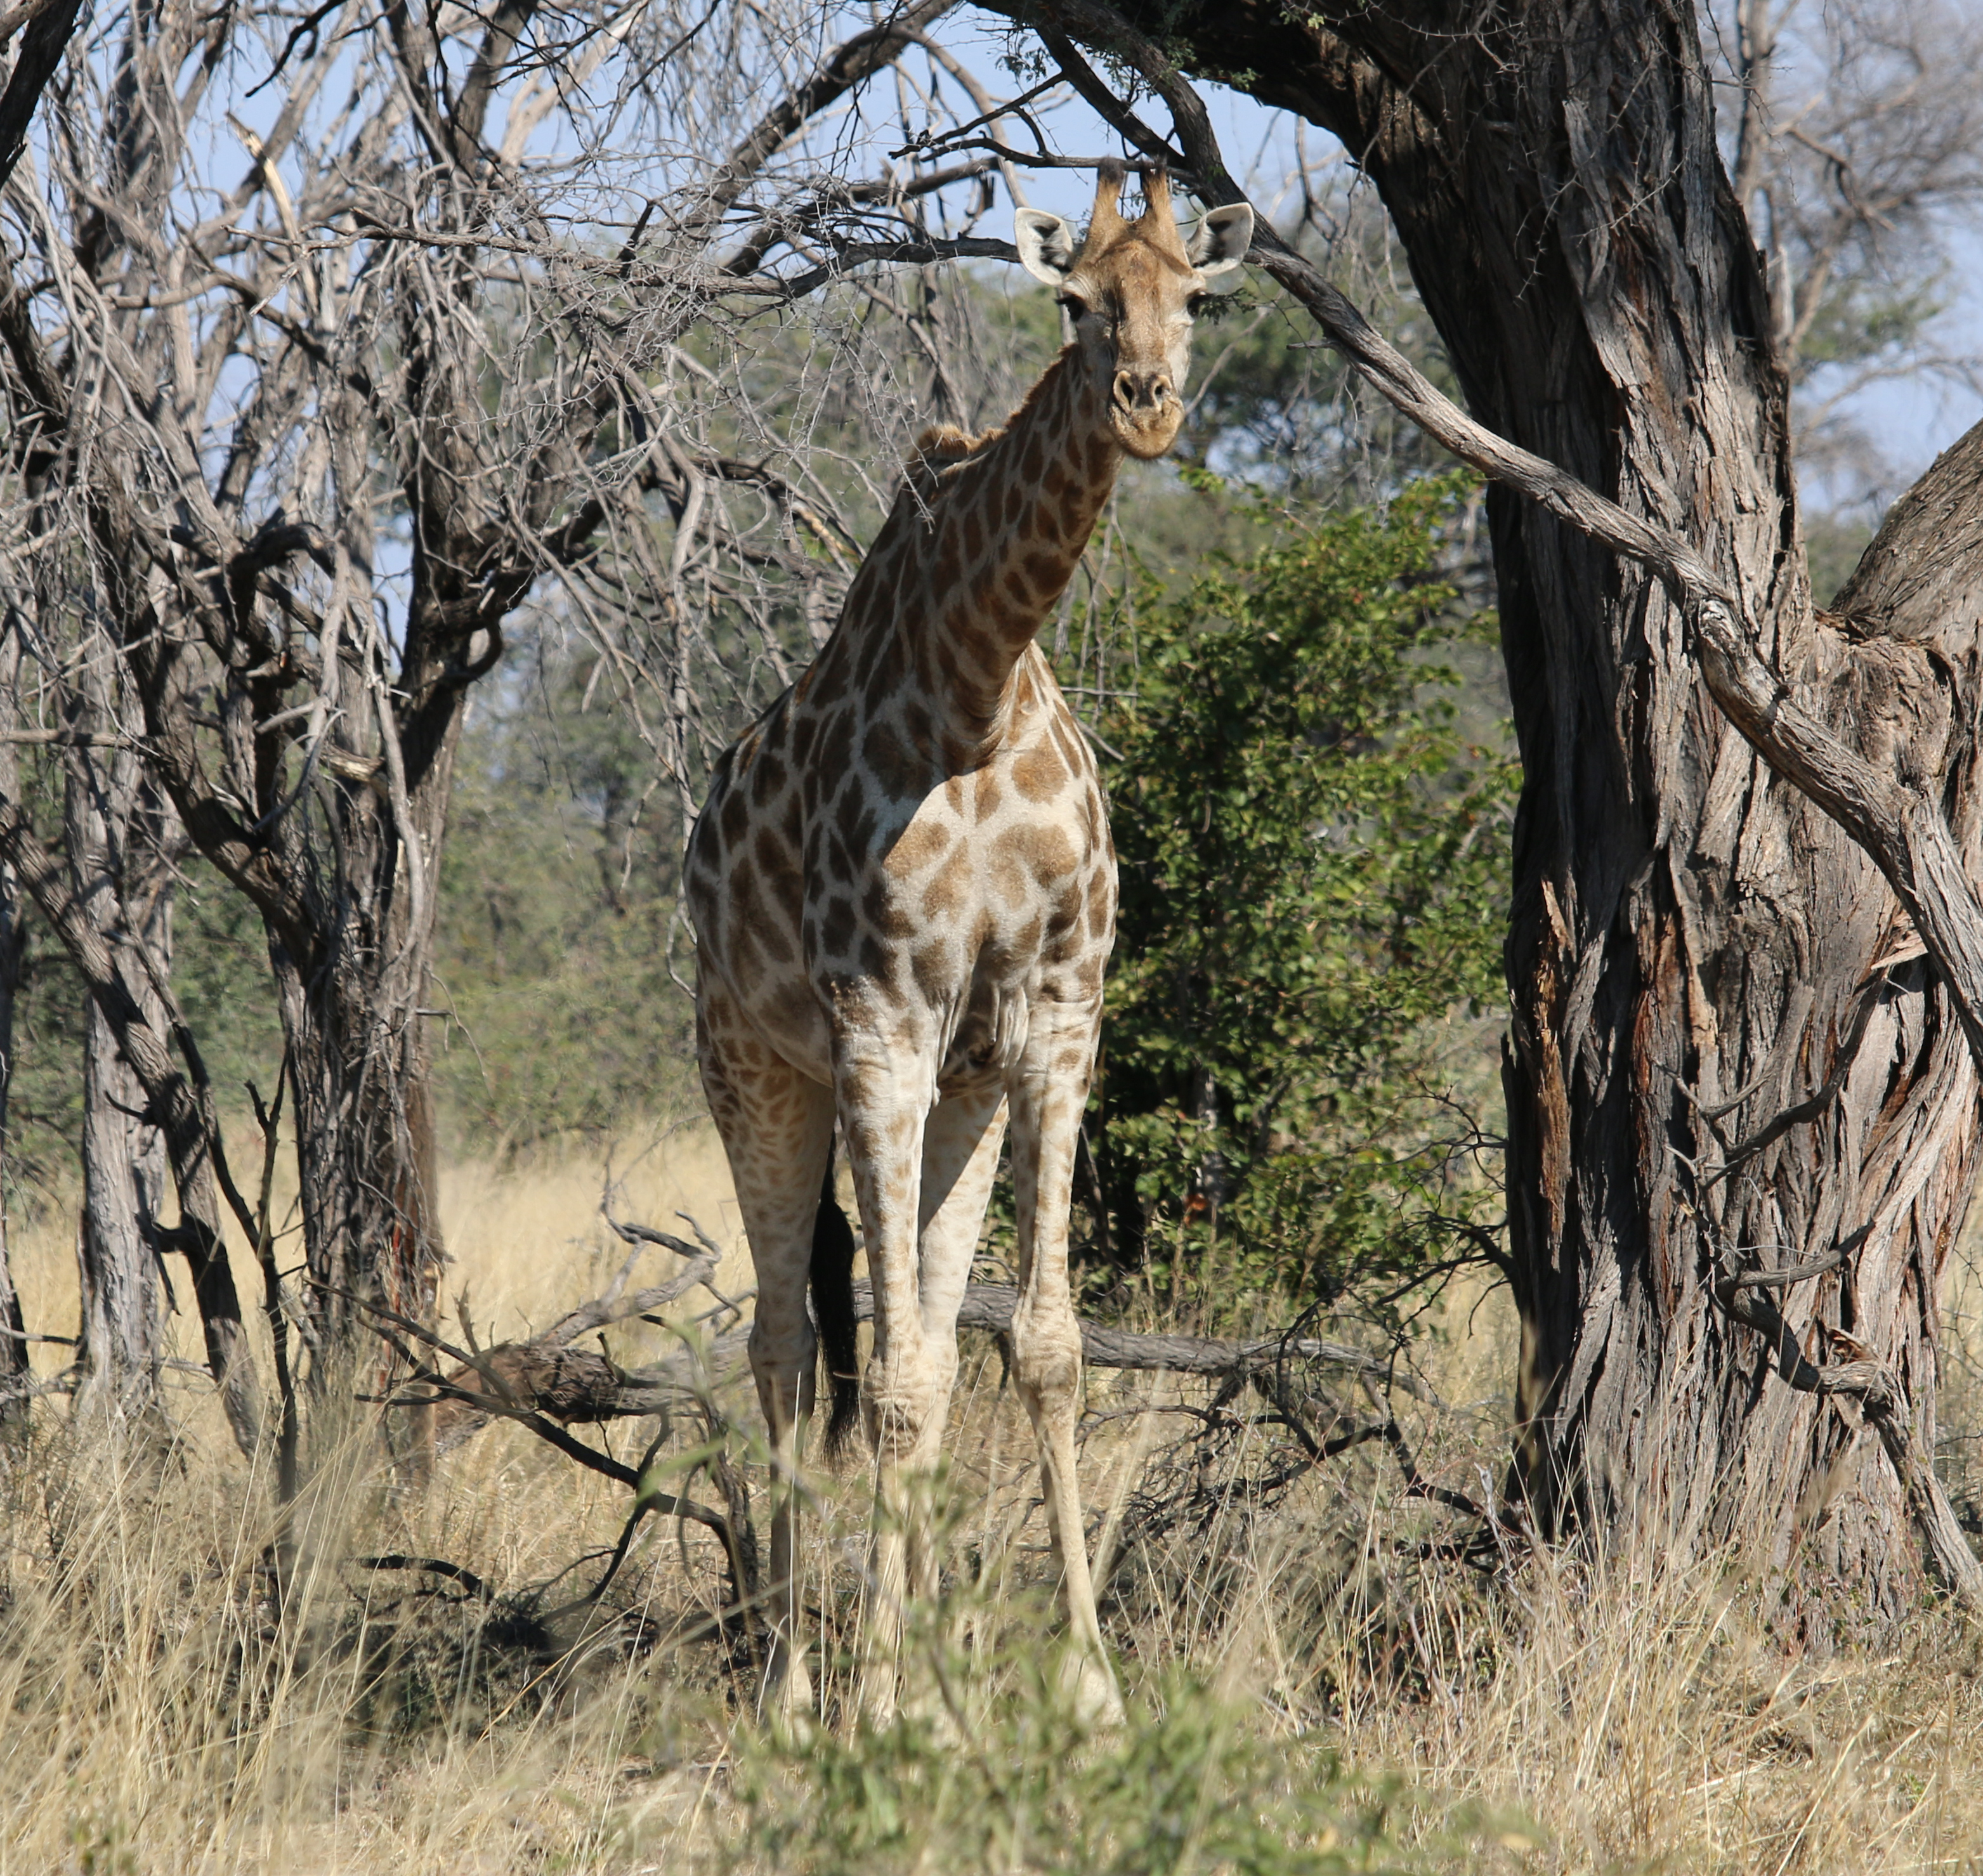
(351, 1007)
(124, 1170)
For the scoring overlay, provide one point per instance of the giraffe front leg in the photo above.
(884, 1085)
(777, 1127)
(1048, 1091)
(960, 1143)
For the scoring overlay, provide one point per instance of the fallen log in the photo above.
(990, 1306)
(579, 1386)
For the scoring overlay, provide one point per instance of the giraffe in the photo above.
(903, 890)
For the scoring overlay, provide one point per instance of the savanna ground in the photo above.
(1315, 1680)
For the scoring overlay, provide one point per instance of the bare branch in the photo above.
(51, 24)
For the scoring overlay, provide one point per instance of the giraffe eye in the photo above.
(1072, 305)
(1197, 304)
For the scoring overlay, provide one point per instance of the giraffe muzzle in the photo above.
(1144, 394)
(1146, 411)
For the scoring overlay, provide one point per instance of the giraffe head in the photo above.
(1132, 288)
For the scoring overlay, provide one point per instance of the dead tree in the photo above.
(117, 838)
(304, 437)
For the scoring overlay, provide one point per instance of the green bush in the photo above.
(1188, 1783)
(1313, 868)
(556, 966)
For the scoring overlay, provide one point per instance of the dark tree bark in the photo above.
(1695, 949)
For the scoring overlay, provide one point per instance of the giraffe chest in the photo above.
(933, 907)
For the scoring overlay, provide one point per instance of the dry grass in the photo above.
(1559, 1718)
(529, 1243)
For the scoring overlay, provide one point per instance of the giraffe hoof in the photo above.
(785, 1702)
(1098, 1705)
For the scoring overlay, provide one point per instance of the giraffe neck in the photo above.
(1007, 528)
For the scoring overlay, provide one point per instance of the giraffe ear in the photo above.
(1046, 245)
(1220, 242)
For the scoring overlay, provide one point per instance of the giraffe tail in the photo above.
(832, 1280)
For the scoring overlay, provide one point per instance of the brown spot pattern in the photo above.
(923, 842)
(1041, 774)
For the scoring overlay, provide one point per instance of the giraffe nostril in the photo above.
(1142, 390)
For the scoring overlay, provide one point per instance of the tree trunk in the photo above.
(352, 998)
(353, 1020)
(342, 863)
(184, 1113)
(363, 1141)
(1695, 949)
(16, 1372)
(123, 1154)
